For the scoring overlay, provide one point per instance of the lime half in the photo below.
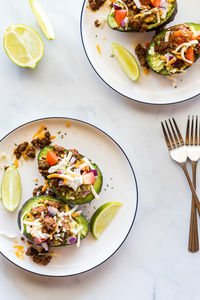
(23, 46)
(11, 189)
(43, 20)
(103, 217)
(127, 61)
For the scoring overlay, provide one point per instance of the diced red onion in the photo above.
(72, 240)
(59, 172)
(123, 22)
(60, 183)
(116, 6)
(85, 193)
(52, 211)
(94, 171)
(45, 246)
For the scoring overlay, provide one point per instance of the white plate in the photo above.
(119, 185)
(151, 89)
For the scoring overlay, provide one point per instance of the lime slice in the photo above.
(127, 61)
(23, 46)
(43, 20)
(11, 189)
(102, 217)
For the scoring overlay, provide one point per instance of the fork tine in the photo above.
(178, 131)
(187, 131)
(174, 133)
(196, 131)
(170, 136)
(166, 137)
(191, 132)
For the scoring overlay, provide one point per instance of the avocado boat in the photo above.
(45, 219)
(73, 177)
(141, 15)
(175, 49)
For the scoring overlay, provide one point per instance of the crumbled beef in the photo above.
(162, 48)
(44, 142)
(5, 168)
(141, 53)
(137, 24)
(31, 152)
(42, 259)
(96, 4)
(48, 224)
(54, 181)
(43, 167)
(75, 152)
(54, 204)
(97, 23)
(37, 211)
(38, 256)
(38, 192)
(22, 239)
(59, 150)
(20, 148)
(31, 251)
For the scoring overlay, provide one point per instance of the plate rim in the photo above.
(114, 89)
(136, 186)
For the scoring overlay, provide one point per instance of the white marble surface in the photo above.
(154, 262)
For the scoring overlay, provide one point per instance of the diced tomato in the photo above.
(190, 54)
(147, 44)
(88, 178)
(52, 158)
(155, 2)
(120, 15)
(38, 241)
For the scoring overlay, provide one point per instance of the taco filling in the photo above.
(72, 176)
(141, 15)
(49, 222)
(175, 49)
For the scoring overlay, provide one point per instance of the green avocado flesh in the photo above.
(97, 185)
(34, 202)
(151, 26)
(154, 60)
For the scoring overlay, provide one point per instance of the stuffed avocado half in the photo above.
(141, 15)
(73, 177)
(174, 49)
(51, 221)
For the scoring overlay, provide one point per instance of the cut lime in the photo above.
(11, 189)
(127, 61)
(23, 46)
(102, 217)
(43, 20)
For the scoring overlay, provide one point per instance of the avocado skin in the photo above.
(165, 72)
(159, 28)
(97, 185)
(79, 219)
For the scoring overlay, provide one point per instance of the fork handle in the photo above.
(196, 199)
(193, 245)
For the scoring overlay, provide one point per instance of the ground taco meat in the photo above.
(96, 4)
(20, 148)
(141, 53)
(42, 142)
(39, 256)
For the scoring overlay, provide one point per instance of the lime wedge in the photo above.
(11, 189)
(23, 46)
(43, 20)
(127, 61)
(102, 217)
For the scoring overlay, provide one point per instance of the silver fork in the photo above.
(178, 152)
(192, 142)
